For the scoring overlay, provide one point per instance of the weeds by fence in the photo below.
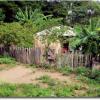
(33, 56)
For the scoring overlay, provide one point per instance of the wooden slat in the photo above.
(31, 56)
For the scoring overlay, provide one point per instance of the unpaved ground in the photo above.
(22, 74)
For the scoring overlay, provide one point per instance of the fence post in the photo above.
(72, 59)
(59, 60)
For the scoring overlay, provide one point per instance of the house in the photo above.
(57, 46)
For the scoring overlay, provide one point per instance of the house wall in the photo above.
(56, 46)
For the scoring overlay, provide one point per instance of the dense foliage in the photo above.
(37, 18)
(56, 8)
(88, 37)
(16, 34)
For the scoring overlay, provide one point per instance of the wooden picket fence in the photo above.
(33, 56)
(23, 55)
(74, 59)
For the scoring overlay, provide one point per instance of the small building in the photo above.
(58, 46)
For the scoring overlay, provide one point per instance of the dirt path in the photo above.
(22, 74)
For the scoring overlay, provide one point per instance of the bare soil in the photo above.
(23, 74)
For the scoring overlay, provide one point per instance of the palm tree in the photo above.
(28, 14)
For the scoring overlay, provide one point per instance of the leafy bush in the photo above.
(16, 34)
(7, 60)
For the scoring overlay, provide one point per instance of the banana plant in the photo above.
(88, 37)
(37, 18)
(28, 14)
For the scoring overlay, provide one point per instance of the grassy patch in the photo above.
(89, 76)
(93, 92)
(82, 71)
(93, 89)
(44, 78)
(63, 91)
(95, 75)
(7, 90)
(47, 79)
(59, 90)
(7, 60)
(65, 70)
(24, 90)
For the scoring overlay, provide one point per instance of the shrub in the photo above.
(16, 34)
(7, 60)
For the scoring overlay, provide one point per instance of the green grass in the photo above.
(57, 90)
(47, 79)
(65, 70)
(29, 90)
(7, 60)
(23, 90)
(63, 91)
(44, 78)
(6, 90)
